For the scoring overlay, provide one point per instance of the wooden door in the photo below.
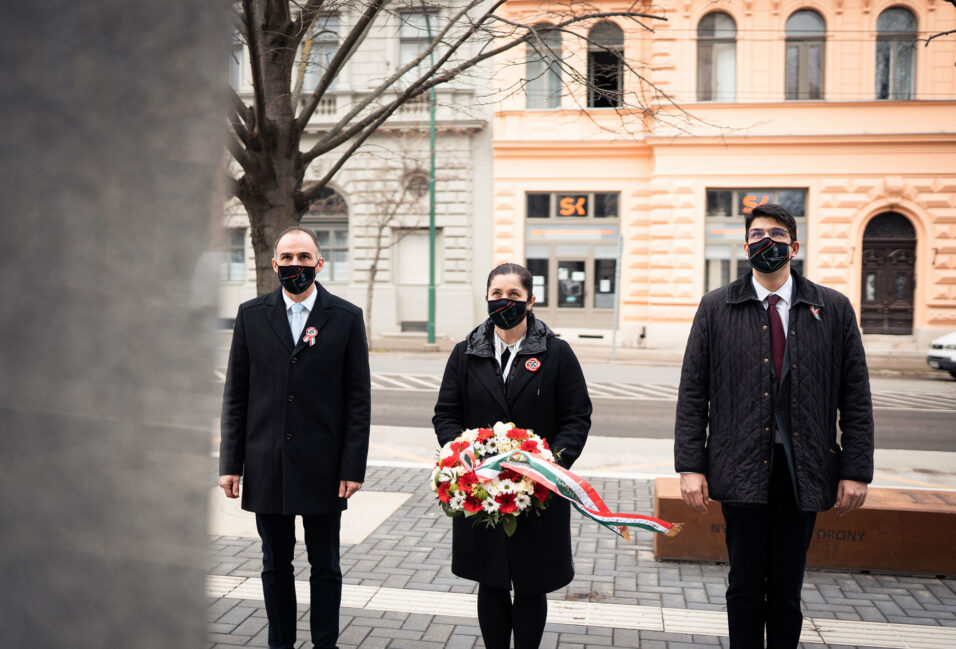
(889, 277)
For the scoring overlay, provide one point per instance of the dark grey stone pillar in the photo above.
(112, 121)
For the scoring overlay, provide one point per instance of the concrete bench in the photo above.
(897, 530)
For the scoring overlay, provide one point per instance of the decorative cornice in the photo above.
(792, 141)
(521, 148)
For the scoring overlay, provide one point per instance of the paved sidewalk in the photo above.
(400, 592)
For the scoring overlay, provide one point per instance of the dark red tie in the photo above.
(778, 341)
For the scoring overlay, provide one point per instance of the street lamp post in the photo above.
(431, 190)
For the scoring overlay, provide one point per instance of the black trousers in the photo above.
(768, 546)
(278, 580)
(499, 618)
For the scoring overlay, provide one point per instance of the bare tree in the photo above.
(267, 137)
(395, 196)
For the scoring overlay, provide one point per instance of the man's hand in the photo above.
(850, 495)
(347, 488)
(230, 484)
(693, 488)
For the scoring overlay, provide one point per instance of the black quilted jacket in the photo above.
(724, 407)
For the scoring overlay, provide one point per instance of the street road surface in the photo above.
(920, 416)
(639, 401)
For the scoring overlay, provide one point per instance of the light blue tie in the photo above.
(298, 321)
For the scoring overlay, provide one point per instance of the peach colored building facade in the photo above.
(620, 216)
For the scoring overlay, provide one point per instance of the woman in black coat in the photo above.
(512, 368)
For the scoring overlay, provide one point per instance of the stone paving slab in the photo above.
(411, 550)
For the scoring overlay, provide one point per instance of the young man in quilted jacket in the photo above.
(770, 361)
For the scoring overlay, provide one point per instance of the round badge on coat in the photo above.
(532, 365)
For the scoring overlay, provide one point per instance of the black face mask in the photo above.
(507, 314)
(768, 255)
(296, 279)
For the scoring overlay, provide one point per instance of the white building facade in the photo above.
(376, 209)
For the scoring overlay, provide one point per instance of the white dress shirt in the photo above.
(785, 293)
(308, 304)
(500, 347)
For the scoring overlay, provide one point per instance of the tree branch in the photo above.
(255, 56)
(237, 150)
(951, 31)
(342, 55)
(307, 44)
(341, 132)
(306, 16)
(433, 76)
(239, 131)
(313, 192)
(235, 187)
(242, 110)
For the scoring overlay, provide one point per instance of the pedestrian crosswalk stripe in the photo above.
(651, 391)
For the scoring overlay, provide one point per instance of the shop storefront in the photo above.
(727, 209)
(572, 248)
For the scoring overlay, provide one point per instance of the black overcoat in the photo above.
(553, 401)
(725, 401)
(295, 418)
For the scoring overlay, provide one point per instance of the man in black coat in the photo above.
(295, 424)
(770, 361)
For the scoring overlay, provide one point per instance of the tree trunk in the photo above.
(267, 219)
(266, 226)
(370, 289)
(273, 184)
(369, 292)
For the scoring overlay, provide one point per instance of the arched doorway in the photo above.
(889, 277)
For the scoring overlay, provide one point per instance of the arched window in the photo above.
(895, 54)
(324, 44)
(605, 66)
(716, 58)
(889, 225)
(543, 70)
(328, 217)
(806, 32)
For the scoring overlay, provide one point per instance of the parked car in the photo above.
(942, 354)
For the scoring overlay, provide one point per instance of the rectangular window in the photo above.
(539, 280)
(604, 79)
(895, 68)
(605, 206)
(605, 282)
(333, 244)
(804, 69)
(234, 264)
(323, 46)
(414, 39)
(539, 206)
(573, 205)
(719, 202)
(543, 71)
(726, 210)
(716, 71)
(571, 284)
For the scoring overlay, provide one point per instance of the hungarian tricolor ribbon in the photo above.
(567, 485)
(310, 335)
